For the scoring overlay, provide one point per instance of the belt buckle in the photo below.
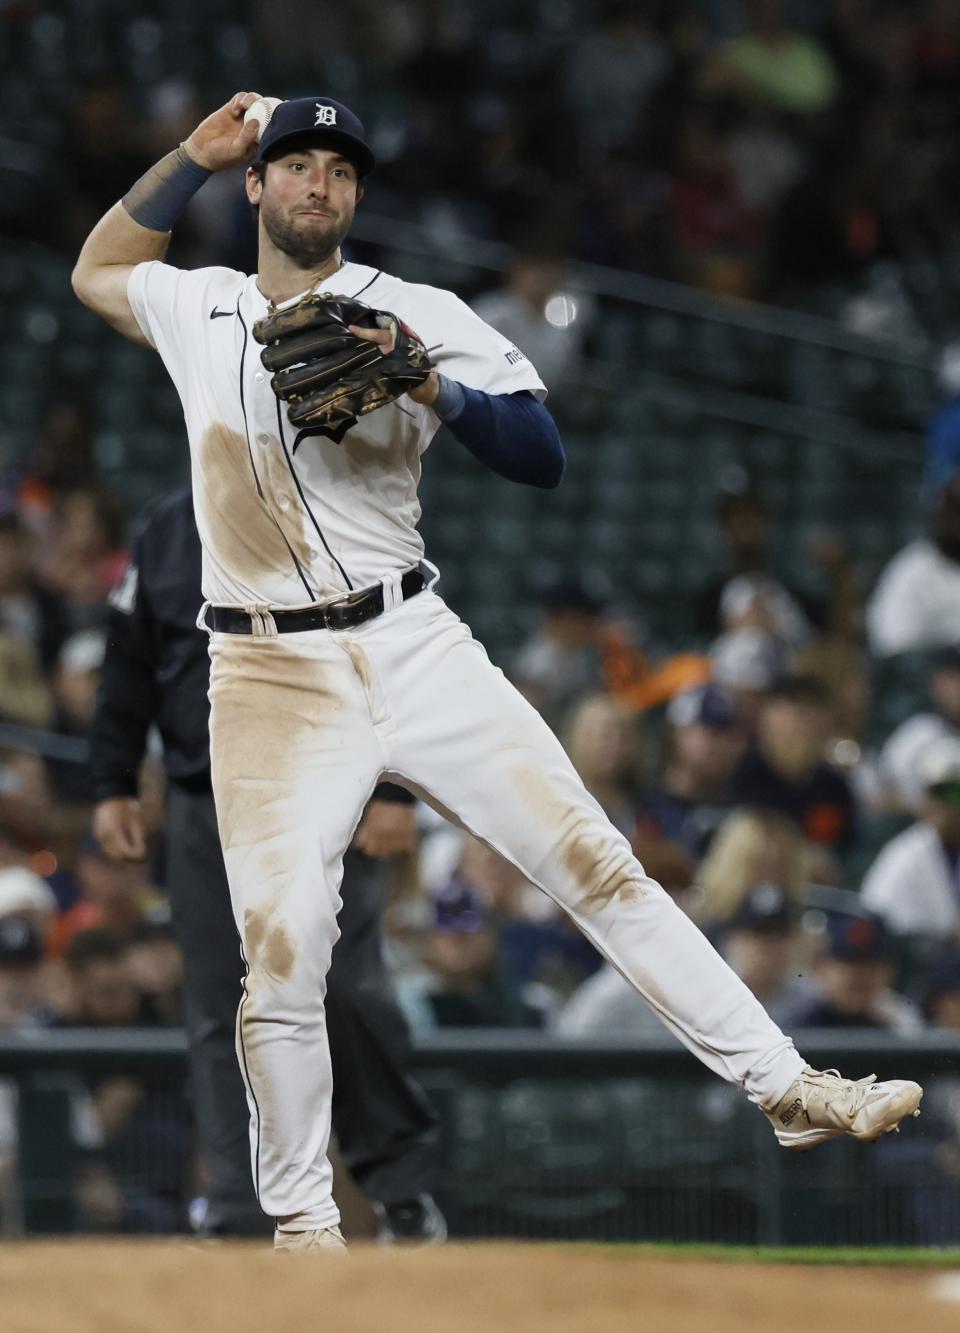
(355, 608)
(337, 615)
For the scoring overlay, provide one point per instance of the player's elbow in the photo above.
(85, 286)
(554, 467)
(78, 281)
(553, 463)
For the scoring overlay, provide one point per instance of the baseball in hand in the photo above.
(261, 110)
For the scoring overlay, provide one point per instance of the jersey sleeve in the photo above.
(465, 349)
(169, 304)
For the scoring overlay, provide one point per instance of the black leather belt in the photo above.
(344, 613)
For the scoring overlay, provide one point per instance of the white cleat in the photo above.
(821, 1105)
(328, 1239)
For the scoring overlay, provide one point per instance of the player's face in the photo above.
(307, 200)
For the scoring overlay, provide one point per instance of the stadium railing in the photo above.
(548, 1138)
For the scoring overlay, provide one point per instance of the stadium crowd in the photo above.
(825, 868)
(750, 146)
(700, 142)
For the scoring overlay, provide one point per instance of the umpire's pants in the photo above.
(385, 1129)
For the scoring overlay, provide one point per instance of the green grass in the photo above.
(878, 1256)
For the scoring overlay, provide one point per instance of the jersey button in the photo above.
(259, 377)
(263, 439)
(283, 501)
(313, 553)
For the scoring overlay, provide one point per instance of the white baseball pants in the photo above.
(302, 727)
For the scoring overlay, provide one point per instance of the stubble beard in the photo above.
(308, 250)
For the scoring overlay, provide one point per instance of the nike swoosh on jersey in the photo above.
(221, 314)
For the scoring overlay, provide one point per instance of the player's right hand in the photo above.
(118, 826)
(222, 140)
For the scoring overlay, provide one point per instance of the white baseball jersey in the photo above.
(286, 517)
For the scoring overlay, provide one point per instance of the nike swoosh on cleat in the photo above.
(221, 314)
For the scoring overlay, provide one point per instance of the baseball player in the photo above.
(156, 671)
(311, 391)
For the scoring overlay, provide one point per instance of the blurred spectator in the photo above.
(786, 770)
(764, 158)
(745, 593)
(113, 896)
(753, 848)
(24, 696)
(937, 65)
(27, 812)
(22, 1000)
(854, 979)
(914, 883)
(547, 322)
(843, 217)
(704, 744)
(932, 1176)
(104, 993)
(75, 690)
(602, 744)
(542, 959)
(562, 659)
(757, 601)
(760, 943)
(27, 610)
(103, 150)
(87, 557)
(747, 663)
(463, 985)
(841, 667)
(773, 63)
(77, 677)
(606, 1005)
(871, 47)
(715, 230)
(916, 602)
(941, 998)
(900, 757)
(142, 1118)
(155, 963)
(943, 429)
(62, 458)
(612, 74)
(26, 895)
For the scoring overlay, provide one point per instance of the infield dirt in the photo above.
(171, 1287)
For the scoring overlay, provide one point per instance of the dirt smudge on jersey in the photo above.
(602, 870)
(243, 531)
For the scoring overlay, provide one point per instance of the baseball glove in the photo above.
(326, 374)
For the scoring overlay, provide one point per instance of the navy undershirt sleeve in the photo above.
(511, 433)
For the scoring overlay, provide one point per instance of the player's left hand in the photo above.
(388, 828)
(386, 340)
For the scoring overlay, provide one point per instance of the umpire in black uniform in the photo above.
(156, 672)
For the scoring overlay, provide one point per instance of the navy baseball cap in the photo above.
(458, 909)
(709, 705)
(766, 910)
(325, 122)
(858, 939)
